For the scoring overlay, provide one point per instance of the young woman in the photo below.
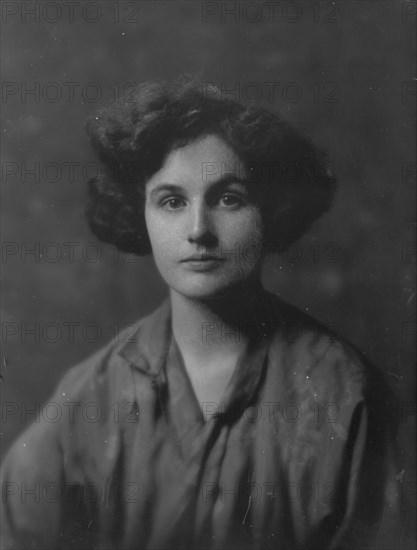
(230, 420)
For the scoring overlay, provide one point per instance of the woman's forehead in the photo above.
(206, 161)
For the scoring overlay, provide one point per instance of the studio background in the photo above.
(354, 65)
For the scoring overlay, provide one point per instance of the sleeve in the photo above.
(370, 515)
(342, 452)
(357, 505)
(31, 488)
(40, 479)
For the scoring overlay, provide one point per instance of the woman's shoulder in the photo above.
(109, 371)
(310, 350)
(313, 364)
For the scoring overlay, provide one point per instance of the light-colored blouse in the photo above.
(295, 456)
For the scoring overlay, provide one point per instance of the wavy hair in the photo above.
(132, 140)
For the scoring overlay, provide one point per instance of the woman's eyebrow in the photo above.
(223, 181)
(230, 178)
(165, 187)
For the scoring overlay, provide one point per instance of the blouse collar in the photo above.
(148, 348)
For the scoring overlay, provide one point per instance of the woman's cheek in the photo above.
(251, 233)
(161, 235)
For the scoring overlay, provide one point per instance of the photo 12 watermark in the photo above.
(273, 91)
(71, 12)
(271, 12)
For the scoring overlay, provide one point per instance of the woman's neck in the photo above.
(211, 328)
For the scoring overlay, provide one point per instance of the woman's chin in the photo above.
(202, 294)
(204, 290)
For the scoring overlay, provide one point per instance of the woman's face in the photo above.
(204, 226)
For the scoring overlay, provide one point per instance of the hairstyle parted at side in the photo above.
(132, 140)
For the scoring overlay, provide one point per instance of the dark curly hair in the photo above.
(133, 138)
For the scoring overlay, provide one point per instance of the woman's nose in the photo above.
(199, 225)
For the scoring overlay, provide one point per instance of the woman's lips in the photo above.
(202, 263)
(202, 258)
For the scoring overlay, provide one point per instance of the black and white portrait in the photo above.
(208, 264)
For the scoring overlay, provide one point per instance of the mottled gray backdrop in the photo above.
(343, 72)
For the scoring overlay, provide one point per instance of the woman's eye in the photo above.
(230, 200)
(173, 203)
